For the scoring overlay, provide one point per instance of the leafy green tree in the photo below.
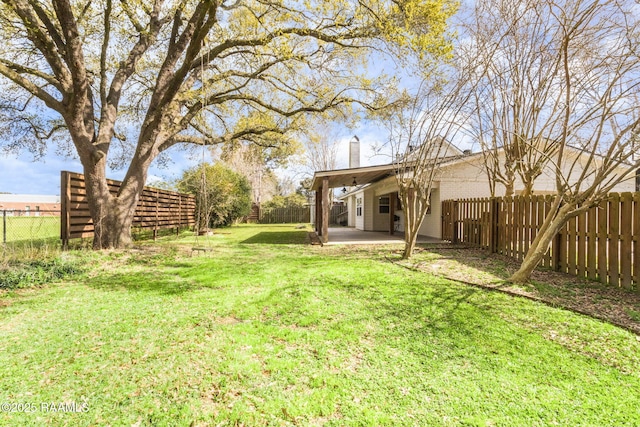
(126, 80)
(223, 196)
(294, 200)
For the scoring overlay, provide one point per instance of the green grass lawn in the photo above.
(29, 228)
(266, 330)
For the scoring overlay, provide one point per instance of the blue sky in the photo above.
(20, 174)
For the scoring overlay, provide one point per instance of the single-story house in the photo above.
(372, 192)
(29, 204)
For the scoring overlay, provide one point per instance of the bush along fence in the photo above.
(601, 244)
(157, 209)
(20, 226)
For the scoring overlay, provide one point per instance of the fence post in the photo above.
(557, 257)
(560, 243)
(4, 226)
(494, 228)
(65, 208)
(179, 214)
(454, 222)
(155, 227)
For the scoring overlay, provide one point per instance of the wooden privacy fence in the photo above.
(295, 215)
(338, 215)
(600, 244)
(290, 215)
(156, 209)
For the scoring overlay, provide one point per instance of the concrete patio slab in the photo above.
(351, 236)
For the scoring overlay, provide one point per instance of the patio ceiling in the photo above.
(345, 177)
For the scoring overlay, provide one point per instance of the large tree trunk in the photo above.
(111, 219)
(113, 229)
(553, 223)
(113, 214)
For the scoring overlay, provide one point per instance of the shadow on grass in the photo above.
(410, 309)
(297, 237)
(418, 309)
(490, 271)
(163, 284)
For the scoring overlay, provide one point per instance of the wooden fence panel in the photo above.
(592, 248)
(517, 227)
(626, 213)
(603, 239)
(571, 266)
(338, 215)
(546, 206)
(447, 220)
(614, 239)
(502, 227)
(581, 241)
(636, 240)
(156, 209)
(290, 215)
(602, 243)
(508, 231)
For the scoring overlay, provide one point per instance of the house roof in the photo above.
(345, 177)
(372, 174)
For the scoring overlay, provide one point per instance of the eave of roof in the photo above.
(345, 177)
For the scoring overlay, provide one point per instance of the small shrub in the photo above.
(37, 272)
(633, 315)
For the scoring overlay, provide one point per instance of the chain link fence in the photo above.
(23, 226)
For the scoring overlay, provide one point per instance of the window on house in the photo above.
(359, 206)
(383, 205)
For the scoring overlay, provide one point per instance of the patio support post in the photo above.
(318, 219)
(392, 212)
(326, 207)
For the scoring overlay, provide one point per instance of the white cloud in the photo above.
(21, 175)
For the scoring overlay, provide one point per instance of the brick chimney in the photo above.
(354, 152)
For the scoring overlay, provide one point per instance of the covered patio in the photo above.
(323, 181)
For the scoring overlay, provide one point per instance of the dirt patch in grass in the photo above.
(476, 267)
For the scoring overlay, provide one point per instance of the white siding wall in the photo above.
(547, 181)
(468, 180)
(351, 207)
(359, 220)
(464, 180)
(380, 220)
(369, 208)
(433, 221)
